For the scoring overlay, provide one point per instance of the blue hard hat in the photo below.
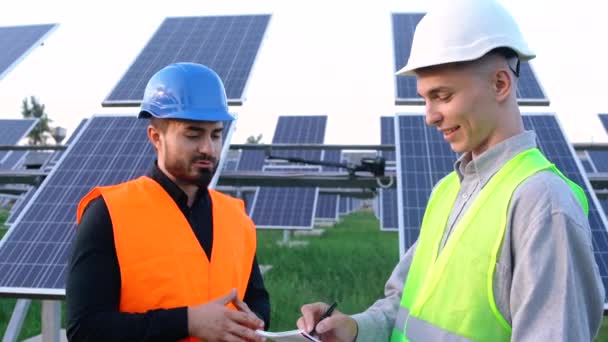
(187, 91)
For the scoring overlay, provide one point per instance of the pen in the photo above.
(324, 316)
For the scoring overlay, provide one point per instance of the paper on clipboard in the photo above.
(288, 336)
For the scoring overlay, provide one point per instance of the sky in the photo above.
(325, 57)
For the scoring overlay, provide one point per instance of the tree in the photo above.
(35, 110)
(254, 140)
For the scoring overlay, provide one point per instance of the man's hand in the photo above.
(336, 328)
(213, 321)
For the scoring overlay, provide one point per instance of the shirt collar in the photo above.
(489, 162)
(177, 194)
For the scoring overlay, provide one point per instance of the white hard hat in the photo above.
(463, 30)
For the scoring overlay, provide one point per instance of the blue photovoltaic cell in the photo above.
(387, 136)
(327, 206)
(342, 205)
(604, 204)
(604, 120)
(284, 207)
(388, 197)
(600, 160)
(252, 160)
(425, 158)
(301, 129)
(17, 41)
(34, 252)
(11, 132)
(389, 212)
(404, 24)
(227, 44)
(332, 156)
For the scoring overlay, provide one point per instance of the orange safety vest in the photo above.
(162, 264)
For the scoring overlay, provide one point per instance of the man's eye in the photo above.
(445, 97)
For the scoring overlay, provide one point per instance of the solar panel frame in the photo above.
(55, 242)
(44, 30)
(157, 35)
(405, 86)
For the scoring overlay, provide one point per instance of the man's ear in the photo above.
(154, 135)
(502, 83)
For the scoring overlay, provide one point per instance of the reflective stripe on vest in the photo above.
(162, 264)
(449, 294)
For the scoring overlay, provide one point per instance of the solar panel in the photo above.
(285, 207)
(387, 136)
(424, 158)
(599, 159)
(529, 91)
(604, 204)
(301, 129)
(227, 44)
(298, 203)
(251, 160)
(34, 252)
(19, 205)
(47, 166)
(332, 156)
(54, 159)
(343, 205)
(604, 120)
(12, 131)
(388, 210)
(388, 197)
(16, 42)
(327, 207)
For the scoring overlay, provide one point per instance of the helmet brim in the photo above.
(190, 115)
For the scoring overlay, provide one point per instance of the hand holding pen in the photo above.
(326, 314)
(330, 325)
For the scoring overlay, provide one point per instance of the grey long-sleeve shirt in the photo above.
(547, 284)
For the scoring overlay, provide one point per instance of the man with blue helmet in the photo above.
(162, 257)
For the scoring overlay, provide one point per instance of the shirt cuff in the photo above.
(365, 327)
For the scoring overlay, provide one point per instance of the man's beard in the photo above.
(179, 171)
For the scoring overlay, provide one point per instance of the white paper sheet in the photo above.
(288, 336)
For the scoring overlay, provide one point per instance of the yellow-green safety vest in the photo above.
(448, 295)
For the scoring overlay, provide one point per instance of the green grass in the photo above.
(349, 264)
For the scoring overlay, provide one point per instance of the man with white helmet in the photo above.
(162, 257)
(505, 250)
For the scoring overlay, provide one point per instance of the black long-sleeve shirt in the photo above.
(93, 282)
